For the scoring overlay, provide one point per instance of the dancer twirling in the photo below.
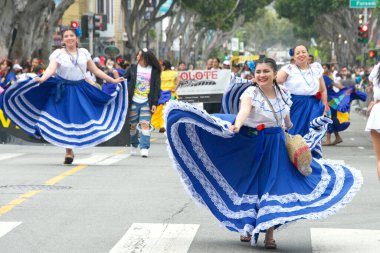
(244, 176)
(62, 106)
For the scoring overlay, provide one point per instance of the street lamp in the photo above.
(180, 45)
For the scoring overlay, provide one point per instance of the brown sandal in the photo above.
(270, 244)
(245, 238)
(68, 159)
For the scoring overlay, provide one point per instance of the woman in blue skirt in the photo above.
(63, 106)
(240, 170)
(305, 83)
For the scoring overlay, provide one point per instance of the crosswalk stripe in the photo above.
(157, 238)
(330, 240)
(9, 155)
(7, 226)
(93, 159)
(113, 159)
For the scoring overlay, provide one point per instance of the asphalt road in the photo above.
(109, 201)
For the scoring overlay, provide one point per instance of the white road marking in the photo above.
(360, 147)
(341, 162)
(156, 238)
(101, 159)
(9, 155)
(93, 159)
(352, 139)
(7, 226)
(330, 240)
(113, 159)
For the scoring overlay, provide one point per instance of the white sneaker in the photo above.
(133, 151)
(144, 152)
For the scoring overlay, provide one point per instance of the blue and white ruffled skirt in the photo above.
(246, 179)
(70, 114)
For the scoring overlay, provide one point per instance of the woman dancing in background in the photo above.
(62, 106)
(305, 83)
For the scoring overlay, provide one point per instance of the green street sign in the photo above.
(363, 3)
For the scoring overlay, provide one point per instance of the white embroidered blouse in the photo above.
(261, 112)
(67, 67)
(303, 82)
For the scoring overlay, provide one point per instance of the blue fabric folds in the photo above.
(231, 98)
(70, 114)
(165, 96)
(304, 110)
(246, 192)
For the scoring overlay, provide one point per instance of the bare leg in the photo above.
(338, 139)
(269, 242)
(327, 142)
(69, 152)
(376, 146)
(69, 157)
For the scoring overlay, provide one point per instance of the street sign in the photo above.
(111, 51)
(363, 3)
(235, 44)
(166, 6)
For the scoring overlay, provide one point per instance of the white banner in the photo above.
(203, 85)
(235, 44)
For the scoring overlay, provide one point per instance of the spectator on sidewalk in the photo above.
(143, 93)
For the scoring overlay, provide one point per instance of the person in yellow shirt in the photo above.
(169, 85)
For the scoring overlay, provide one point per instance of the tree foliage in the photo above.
(22, 31)
(221, 14)
(137, 25)
(328, 20)
(269, 31)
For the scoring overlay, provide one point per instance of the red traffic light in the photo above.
(372, 54)
(364, 28)
(74, 24)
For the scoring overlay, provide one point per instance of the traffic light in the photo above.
(360, 19)
(84, 25)
(363, 33)
(74, 25)
(372, 54)
(97, 25)
(104, 22)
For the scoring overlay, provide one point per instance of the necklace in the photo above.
(271, 106)
(278, 105)
(311, 74)
(73, 59)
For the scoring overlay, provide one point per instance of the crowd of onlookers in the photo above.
(11, 71)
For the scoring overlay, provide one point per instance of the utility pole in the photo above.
(364, 49)
(90, 32)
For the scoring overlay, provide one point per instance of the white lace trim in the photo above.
(215, 197)
(61, 125)
(358, 181)
(210, 167)
(208, 187)
(339, 172)
(101, 129)
(292, 197)
(261, 105)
